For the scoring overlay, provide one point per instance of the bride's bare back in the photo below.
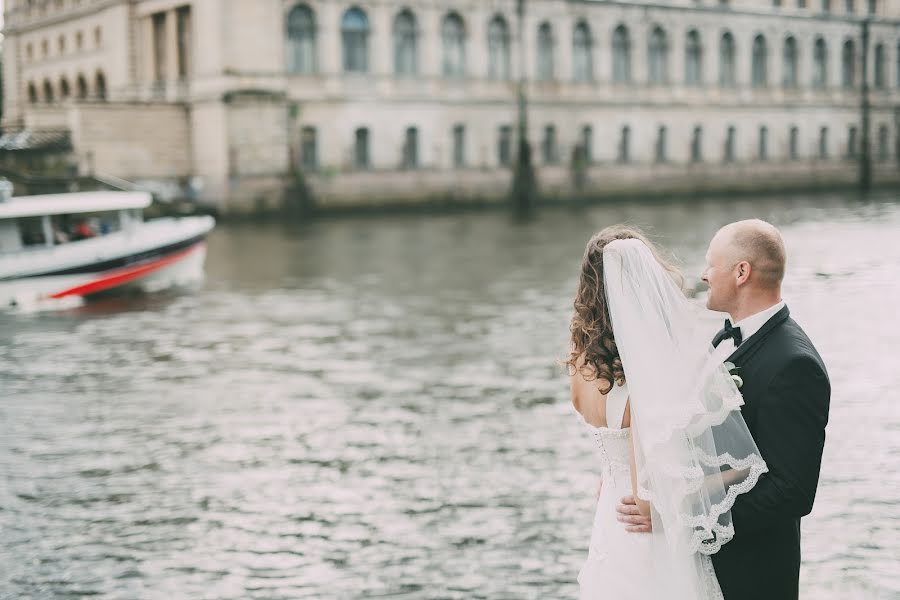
(591, 403)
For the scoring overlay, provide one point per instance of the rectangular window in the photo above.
(183, 25)
(763, 143)
(411, 148)
(793, 144)
(459, 146)
(697, 145)
(883, 143)
(729, 144)
(309, 152)
(548, 146)
(823, 143)
(826, 6)
(504, 146)
(159, 47)
(849, 6)
(852, 142)
(801, 3)
(624, 155)
(873, 7)
(661, 144)
(587, 143)
(361, 148)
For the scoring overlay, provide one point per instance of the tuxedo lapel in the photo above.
(780, 317)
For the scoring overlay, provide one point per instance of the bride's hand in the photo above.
(630, 515)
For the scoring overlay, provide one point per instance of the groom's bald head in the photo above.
(760, 244)
(744, 268)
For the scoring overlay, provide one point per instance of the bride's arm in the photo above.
(642, 505)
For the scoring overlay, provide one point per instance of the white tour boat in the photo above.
(72, 246)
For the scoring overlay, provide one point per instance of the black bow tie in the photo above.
(728, 332)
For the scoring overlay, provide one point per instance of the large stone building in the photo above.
(409, 100)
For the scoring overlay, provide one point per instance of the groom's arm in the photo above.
(790, 433)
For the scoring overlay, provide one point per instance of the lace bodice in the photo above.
(613, 442)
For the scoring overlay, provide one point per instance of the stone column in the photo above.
(208, 21)
(381, 40)
(476, 44)
(639, 37)
(562, 29)
(329, 43)
(429, 19)
(15, 97)
(601, 40)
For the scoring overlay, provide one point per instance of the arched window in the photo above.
(453, 33)
(498, 49)
(48, 91)
(301, 40)
(820, 64)
(879, 66)
(549, 151)
(32, 93)
(410, 158)
(658, 56)
(727, 76)
(361, 148)
(81, 87)
(624, 154)
(621, 50)
(64, 90)
(763, 149)
(660, 153)
(760, 71)
(730, 143)
(545, 59)
(405, 44)
(697, 145)
(848, 64)
(693, 59)
(355, 40)
(100, 86)
(884, 149)
(789, 68)
(582, 53)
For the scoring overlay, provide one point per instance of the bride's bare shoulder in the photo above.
(586, 395)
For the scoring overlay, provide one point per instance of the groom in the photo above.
(786, 398)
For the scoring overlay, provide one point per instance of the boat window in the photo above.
(31, 231)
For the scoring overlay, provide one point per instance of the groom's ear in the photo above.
(743, 270)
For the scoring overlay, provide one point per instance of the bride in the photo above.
(665, 415)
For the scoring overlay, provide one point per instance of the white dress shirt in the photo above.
(749, 327)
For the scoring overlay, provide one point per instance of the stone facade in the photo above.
(390, 101)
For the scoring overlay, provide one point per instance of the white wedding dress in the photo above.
(619, 564)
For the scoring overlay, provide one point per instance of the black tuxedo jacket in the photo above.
(786, 399)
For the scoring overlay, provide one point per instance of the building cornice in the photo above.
(781, 14)
(13, 25)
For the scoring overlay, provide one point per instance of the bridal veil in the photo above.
(693, 452)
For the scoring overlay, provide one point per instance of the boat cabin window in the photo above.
(31, 231)
(83, 226)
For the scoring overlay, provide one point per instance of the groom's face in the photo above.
(718, 275)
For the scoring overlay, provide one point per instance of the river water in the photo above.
(373, 408)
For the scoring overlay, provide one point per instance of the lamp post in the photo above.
(524, 194)
(865, 155)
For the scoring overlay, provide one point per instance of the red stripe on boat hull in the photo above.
(118, 277)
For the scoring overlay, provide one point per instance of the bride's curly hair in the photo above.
(593, 350)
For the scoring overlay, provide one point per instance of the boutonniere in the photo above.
(735, 373)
